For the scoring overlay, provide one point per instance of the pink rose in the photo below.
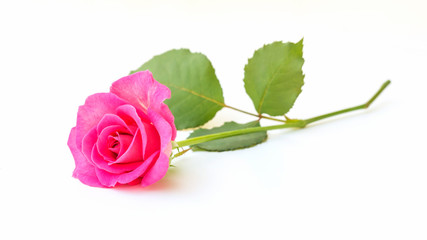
(124, 137)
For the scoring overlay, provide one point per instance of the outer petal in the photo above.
(167, 115)
(141, 90)
(163, 128)
(95, 107)
(84, 171)
(157, 172)
(89, 141)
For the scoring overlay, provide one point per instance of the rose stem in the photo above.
(291, 124)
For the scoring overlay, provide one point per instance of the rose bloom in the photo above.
(124, 137)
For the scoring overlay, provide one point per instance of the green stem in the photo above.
(210, 137)
(362, 106)
(180, 153)
(290, 123)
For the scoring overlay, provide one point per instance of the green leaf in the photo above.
(229, 143)
(273, 77)
(196, 92)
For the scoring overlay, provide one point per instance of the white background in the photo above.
(359, 176)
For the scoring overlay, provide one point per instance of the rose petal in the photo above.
(129, 120)
(141, 90)
(89, 141)
(130, 115)
(84, 171)
(99, 162)
(102, 141)
(163, 128)
(133, 151)
(134, 182)
(140, 171)
(153, 138)
(113, 144)
(110, 179)
(168, 149)
(106, 178)
(157, 171)
(167, 115)
(125, 141)
(94, 109)
(112, 119)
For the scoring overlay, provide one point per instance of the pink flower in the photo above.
(124, 137)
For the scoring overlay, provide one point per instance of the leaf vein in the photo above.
(197, 94)
(267, 88)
